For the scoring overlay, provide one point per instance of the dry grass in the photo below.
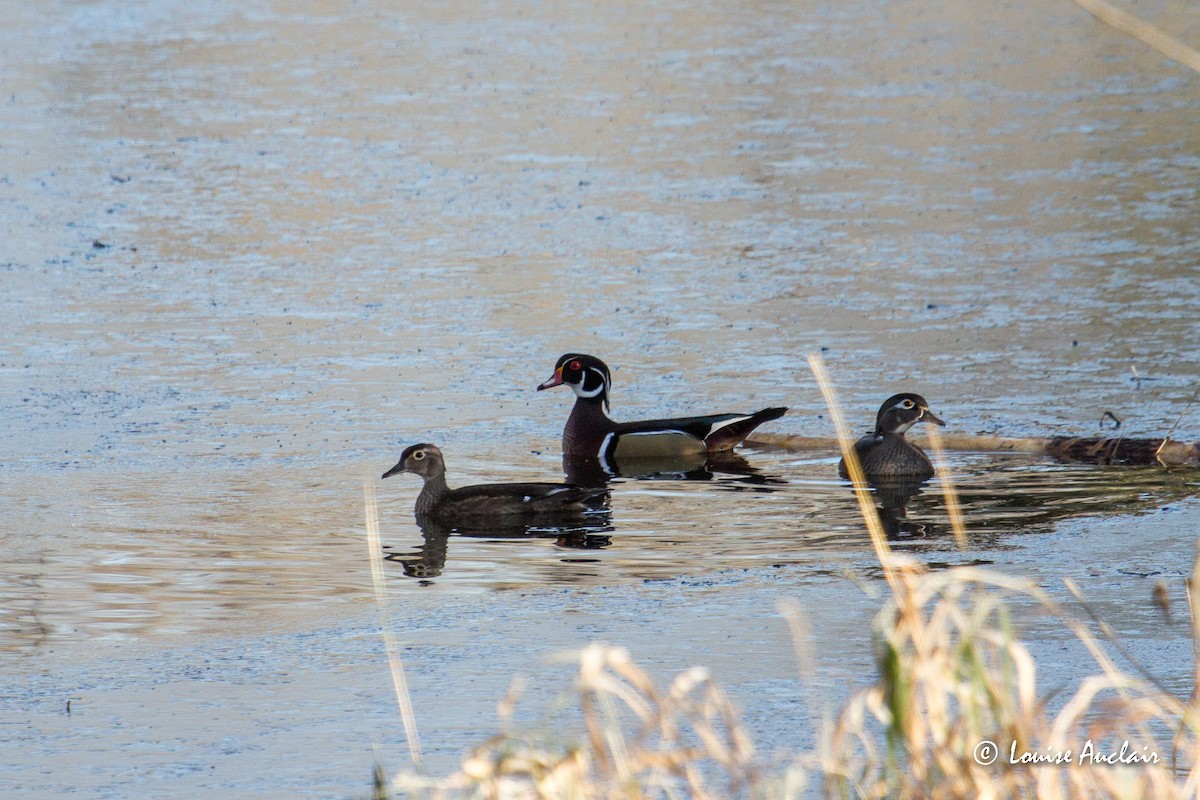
(952, 675)
(637, 740)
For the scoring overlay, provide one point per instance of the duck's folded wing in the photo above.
(515, 498)
(719, 431)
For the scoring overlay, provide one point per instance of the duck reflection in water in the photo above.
(587, 531)
(891, 503)
(894, 467)
(598, 472)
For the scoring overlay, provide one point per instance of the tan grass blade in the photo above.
(1191, 715)
(857, 478)
(801, 632)
(953, 509)
(375, 557)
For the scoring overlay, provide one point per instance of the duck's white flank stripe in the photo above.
(662, 432)
(720, 425)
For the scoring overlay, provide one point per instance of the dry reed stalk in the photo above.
(953, 508)
(399, 683)
(857, 478)
(1154, 37)
(1191, 714)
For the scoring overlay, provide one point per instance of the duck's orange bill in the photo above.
(552, 381)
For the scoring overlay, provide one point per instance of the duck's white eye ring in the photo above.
(908, 404)
(417, 456)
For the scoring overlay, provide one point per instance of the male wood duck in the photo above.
(886, 454)
(590, 433)
(439, 502)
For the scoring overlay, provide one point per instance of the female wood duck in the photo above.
(886, 454)
(439, 502)
(590, 433)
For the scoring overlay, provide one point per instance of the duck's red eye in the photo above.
(574, 366)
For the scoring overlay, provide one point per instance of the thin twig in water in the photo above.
(1179, 419)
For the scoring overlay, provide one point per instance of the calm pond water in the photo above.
(252, 254)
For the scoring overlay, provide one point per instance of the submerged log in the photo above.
(1092, 450)
(1166, 452)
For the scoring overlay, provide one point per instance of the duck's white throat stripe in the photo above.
(590, 374)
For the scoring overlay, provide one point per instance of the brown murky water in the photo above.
(249, 255)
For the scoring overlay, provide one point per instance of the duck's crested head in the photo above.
(588, 376)
(423, 459)
(901, 411)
